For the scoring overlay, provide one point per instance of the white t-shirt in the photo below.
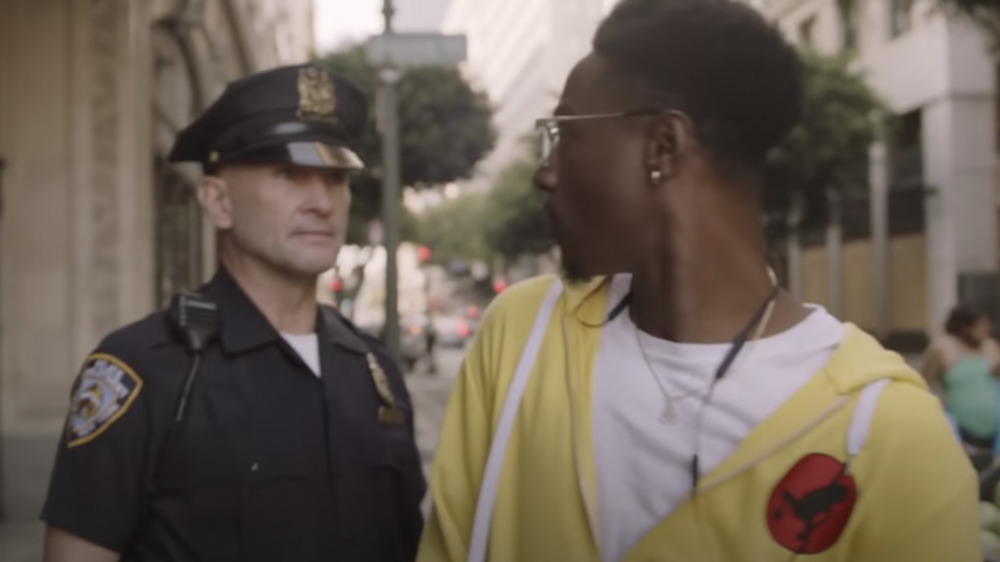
(643, 461)
(307, 346)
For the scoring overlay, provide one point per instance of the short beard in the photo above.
(574, 272)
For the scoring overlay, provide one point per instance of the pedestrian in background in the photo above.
(961, 365)
(430, 339)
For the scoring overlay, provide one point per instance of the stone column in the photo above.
(114, 212)
(879, 193)
(835, 254)
(76, 240)
(960, 165)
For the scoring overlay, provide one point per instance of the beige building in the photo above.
(903, 257)
(96, 230)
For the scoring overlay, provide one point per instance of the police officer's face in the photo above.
(291, 218)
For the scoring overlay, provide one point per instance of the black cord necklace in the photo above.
(734, 350)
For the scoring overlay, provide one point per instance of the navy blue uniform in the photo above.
(271, 463)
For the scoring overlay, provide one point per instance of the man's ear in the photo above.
(669, 136)
(213, 195)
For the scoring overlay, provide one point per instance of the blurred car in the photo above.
(452, 331)
(473, 315)
(412, 339)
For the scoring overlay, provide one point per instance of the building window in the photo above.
(900, 17)
(806, 29)
(848, 24)
(906, 151)
(906, 174)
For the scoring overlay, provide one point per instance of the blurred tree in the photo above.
(445, 129)
(515, 224)
(827, 153)
(507, 221)
(454, 230)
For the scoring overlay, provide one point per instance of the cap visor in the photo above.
(303, 153)
(320, 155)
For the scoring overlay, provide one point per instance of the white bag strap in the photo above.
(494, 462)
(864, 411)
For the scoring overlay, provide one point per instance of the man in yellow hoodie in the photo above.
(664, 400)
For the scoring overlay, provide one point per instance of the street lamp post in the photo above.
(389, 128)
(388, 12)
(392, 53)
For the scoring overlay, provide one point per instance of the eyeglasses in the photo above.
(547, 128)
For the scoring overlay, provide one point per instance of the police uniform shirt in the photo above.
(271, 463)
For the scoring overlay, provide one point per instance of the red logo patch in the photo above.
(811, 505)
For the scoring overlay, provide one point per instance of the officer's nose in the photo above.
(327, 191)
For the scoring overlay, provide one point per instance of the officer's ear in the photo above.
(213, 194)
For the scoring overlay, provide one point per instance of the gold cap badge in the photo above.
(317, 98)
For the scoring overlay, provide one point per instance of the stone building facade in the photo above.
(96, 230)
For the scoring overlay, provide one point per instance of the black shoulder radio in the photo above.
(194, 318)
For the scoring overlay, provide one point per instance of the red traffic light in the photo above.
(499, 286)
(423, 253)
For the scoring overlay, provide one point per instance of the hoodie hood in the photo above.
(857, 362)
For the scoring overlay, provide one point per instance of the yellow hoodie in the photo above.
(789, 492)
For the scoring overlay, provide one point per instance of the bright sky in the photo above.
(338, 21)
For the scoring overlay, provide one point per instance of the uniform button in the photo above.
(254, 467)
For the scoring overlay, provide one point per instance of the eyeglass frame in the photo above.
(546, 125)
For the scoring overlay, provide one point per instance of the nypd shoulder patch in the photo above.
(104, 391)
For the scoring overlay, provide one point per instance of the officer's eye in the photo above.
(336, 177)
(285, 173)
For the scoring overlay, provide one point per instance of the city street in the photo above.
(21, 541)
(430, 396)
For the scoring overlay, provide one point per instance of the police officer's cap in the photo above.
(301, 114)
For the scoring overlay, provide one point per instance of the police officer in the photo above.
(247, 423)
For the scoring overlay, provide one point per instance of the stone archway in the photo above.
(179, 234)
